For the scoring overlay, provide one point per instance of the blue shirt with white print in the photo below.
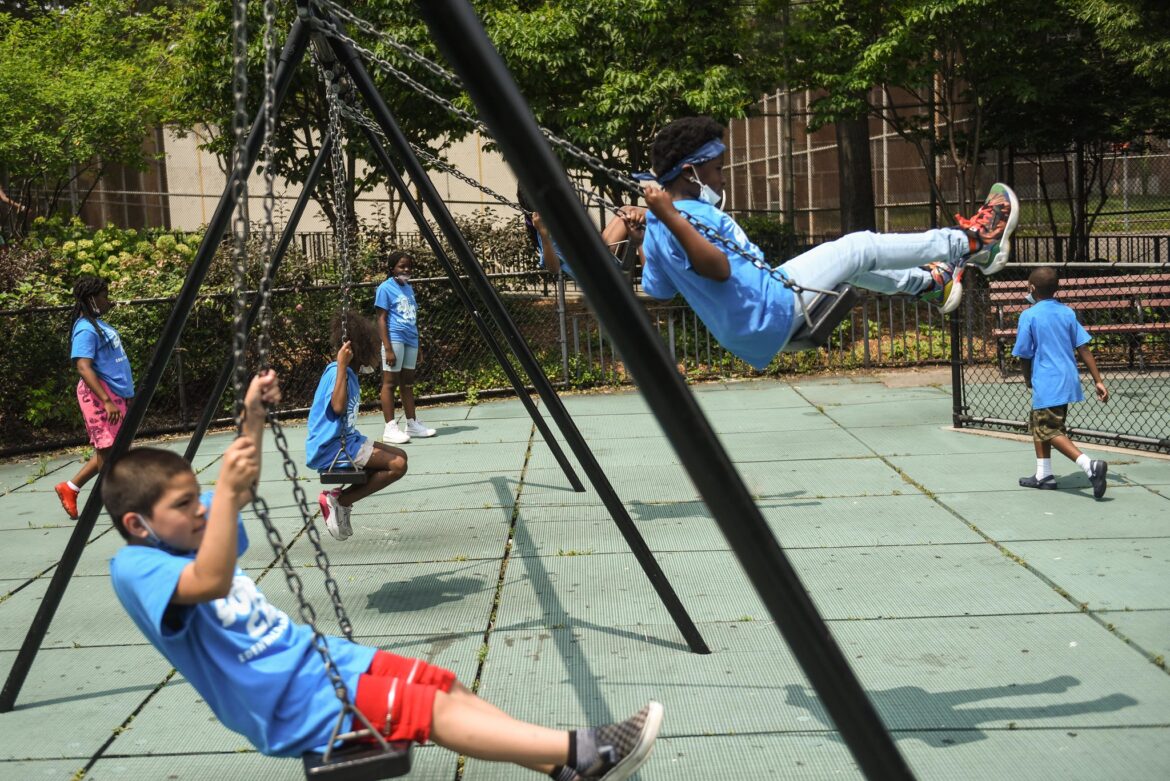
(255, 667)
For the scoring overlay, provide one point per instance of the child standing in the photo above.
(258, 670)
(1047, 339)
(333, 427)
(398, 325)
(106, 386)
(751, 312)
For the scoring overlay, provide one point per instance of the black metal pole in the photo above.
(462, 39)
(501, 357)
(382, 115)
(278, 253)
(290, 57)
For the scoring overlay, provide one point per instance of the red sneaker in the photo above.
(990, 229)
(68, 499)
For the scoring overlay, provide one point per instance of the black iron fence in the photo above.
(1125, 308)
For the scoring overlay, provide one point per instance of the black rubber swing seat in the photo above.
(341, 472)
(826, 313)
(360, 762)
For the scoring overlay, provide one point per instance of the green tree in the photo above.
(80, 88)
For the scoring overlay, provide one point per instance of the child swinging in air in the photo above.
(106, 386)
(398, 327)
(258, 670)
(333, 426)
(751, 312)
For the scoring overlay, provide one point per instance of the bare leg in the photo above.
(387, 396)
(1043, 449)
(1066, 447)
(466, 724)
(91, 467)
(407, 390)
(387, 464)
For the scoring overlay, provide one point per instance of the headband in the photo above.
(708, 151)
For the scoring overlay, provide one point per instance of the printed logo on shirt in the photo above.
(406, 309)
(262, 622)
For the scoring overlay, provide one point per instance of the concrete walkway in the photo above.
(1002, 633)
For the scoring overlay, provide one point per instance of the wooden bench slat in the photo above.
(1106, 328)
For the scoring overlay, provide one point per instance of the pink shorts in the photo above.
(101, 430)
(397, 695)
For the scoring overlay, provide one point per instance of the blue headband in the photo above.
(708, 151)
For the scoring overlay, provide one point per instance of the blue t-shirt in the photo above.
(750, 313)
(398, 302)
(257, 669)
(324, 437)
(1048, 335)
(557, 251)
(105, 350)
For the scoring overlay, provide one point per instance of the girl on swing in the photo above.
(333, 425)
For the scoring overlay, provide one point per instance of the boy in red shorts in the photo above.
(259, 670)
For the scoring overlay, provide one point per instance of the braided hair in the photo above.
(84, 289)
(679, 139)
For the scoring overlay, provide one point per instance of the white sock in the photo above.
(72, 486)
(1086, 464)
(1043, 468)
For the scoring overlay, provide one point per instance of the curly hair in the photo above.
(84, 289)
(393, 258)
(363, 336)
(680, 138)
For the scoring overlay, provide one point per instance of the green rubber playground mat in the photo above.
(1147, 629)
(1104, 574)
(26, 553)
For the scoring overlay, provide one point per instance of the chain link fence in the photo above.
(1124, 307)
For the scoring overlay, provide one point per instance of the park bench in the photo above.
(1133, 307)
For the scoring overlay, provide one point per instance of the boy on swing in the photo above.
(258, 670)
(751, 312)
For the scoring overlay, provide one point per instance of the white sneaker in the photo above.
(392, 435)
(335, 516)
(416, 428)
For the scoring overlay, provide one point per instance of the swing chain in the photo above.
(341, 214)
(240, 188)
(264, 341)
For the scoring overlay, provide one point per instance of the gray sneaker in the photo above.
(625, 746)
(1097, 470)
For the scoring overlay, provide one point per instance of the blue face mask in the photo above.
(158, 542)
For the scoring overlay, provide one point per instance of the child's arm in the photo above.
(1026, 369)
(341, 383)
(707, 260)
(384, 326)
(1091, 364)
(209, 576)
(548, 252)
(94, 383)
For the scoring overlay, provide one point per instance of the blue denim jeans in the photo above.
(882, 262)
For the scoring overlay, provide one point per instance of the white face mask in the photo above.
(365, 370)
(1030, 299)
(706, 194)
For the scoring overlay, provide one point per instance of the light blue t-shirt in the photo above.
(398, 302)
(324, 438)
(557, 251)
(257, 669)
(750, 313)
(105, 350)
(1048, 335)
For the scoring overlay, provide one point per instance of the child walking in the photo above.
(751, 312)
(398, 325)
(1047, 340)
(179, 581)
(333, 427)
(106, 386)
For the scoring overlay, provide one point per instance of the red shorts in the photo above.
(397, 695)
(101, 431)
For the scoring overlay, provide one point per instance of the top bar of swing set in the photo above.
(462, 39)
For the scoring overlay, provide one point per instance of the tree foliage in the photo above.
(80, 88)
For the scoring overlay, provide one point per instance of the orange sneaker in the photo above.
(990, 229)
(68, 499)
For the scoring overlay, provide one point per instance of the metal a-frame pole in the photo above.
(278, 253)
(501, 357)
(290, 57)
(462, 39)
(385, 120)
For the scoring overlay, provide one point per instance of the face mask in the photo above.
(366, 370)
(708, 195)
(1029, 298)
(158, 542)
(402, 278)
